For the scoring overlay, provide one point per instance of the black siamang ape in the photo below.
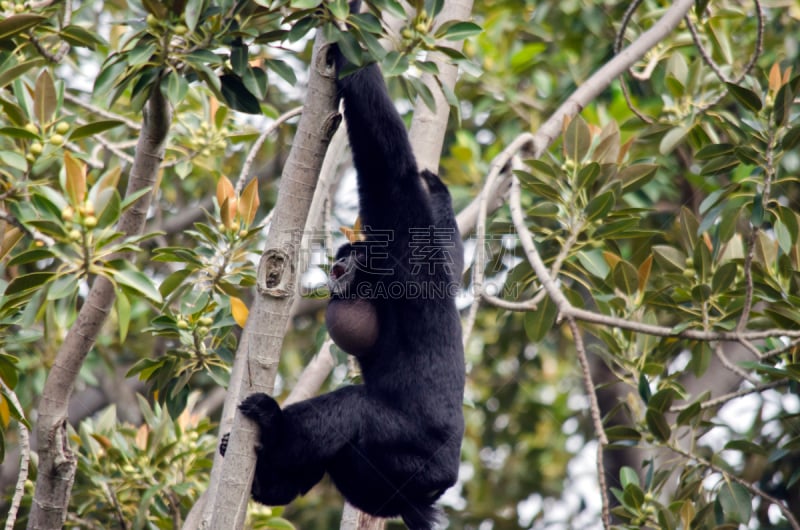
(390, 445)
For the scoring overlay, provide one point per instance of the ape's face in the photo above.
(349, 259)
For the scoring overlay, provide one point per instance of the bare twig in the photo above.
(24, 459)
(244, 175)
(34, 234)
(101, 111)
(706, 56)
(721, 400)
(596, 415)
(63, 46)
(754, 490)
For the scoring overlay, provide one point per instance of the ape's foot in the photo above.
(260, 408)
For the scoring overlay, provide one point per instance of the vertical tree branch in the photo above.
(57, 462)
(259, 350)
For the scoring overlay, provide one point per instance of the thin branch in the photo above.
(313, 375)
(754, 490)
(721, 400)
(63, 46)
(769, 173)
(626, 19)
(244, 175)
(46, 241)
(101, 111)
(596, 415)
(732, 367)
(24, 459)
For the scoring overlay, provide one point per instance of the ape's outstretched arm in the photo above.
(390, 192)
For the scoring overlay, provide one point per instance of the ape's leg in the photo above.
(297, 443)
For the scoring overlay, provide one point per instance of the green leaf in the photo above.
(278, 523)
(662, 400)
(394, 64)
(626, 277)
(123, 307)
(28, 282)
(255, 80)
(237, 96)
(239, 59)
(735, 501)
(301, 28)
(305, 4)
(138, 282)
(789, 141)
(44, 98)
(627, 475)
(457, 30)
(587, 176)
(16, 24)
(657, 424)
(746, 447)
(424, 93)
(338, 9)
(600, 206)
(194, 9)
(784, 100)
(723, 277)
(283, 69)
(622, 432)
(176, 88)
(746, 97)
(9, 75)
(62, 287)
(173, 281)
(720, 164)
(713, 151)
(367, 22)
(757, 215)
(93, 128)
(541, 320)
(577, 139)
(30, 256)
(671, 140)
(81, 37)
(636, 175)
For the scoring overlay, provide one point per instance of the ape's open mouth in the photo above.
(337, 271)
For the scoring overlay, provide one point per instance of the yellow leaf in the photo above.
(248, 203)
(109, 180)
(10, 238)
(225, 190)
(239, 311)
(141, 436)
(775, 77)
(5, 412)
(611, 258)
(644, 272)
(227, 211)
(349, 233)
(353, 234)
(75, 185)
(102, 440)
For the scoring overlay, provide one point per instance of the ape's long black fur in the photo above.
(391, 445)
